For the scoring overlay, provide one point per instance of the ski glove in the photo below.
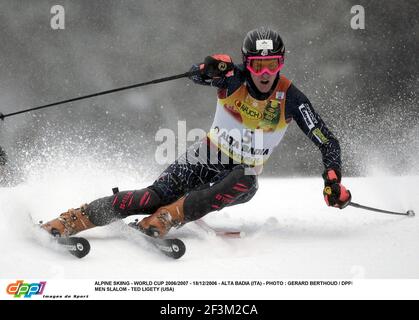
(217, 66)
(335, 194)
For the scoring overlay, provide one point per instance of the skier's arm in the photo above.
(335, 194)
(314, 127)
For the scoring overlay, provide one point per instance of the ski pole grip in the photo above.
(1, 116)
(115, 190)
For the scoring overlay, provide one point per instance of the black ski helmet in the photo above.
(262, 42)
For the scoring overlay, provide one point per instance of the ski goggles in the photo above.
(269, 64)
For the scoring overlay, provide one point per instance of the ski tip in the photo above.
(178, 248)
(78, 247)
(410, 213)
(86, 248)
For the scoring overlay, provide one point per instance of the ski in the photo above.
(223, 232)
(171, 247)
(77, 246)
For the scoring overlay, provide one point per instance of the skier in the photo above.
(255, 100)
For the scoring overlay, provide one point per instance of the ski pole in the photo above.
(409, 213)
(178, 76)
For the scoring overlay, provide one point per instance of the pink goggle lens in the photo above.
(269, 64)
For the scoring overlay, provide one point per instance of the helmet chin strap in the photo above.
(254, 91)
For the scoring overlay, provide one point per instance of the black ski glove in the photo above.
(335, 194)
(217, 66)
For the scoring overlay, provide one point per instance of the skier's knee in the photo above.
(244, 179)
(252, 187)
(234, 188)
(246, 186)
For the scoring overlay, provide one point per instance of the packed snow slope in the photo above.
(290, 232)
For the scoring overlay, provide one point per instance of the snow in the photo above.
(290, 232)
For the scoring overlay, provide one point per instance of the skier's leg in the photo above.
(104, 211)
(167, 188)
(172, 184)
(229, 187)
(180, 177)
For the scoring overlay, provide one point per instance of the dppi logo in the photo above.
(26, 289)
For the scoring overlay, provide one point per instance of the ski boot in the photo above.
(69, 223)
(159, 223)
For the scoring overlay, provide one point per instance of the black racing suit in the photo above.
(210, 185)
